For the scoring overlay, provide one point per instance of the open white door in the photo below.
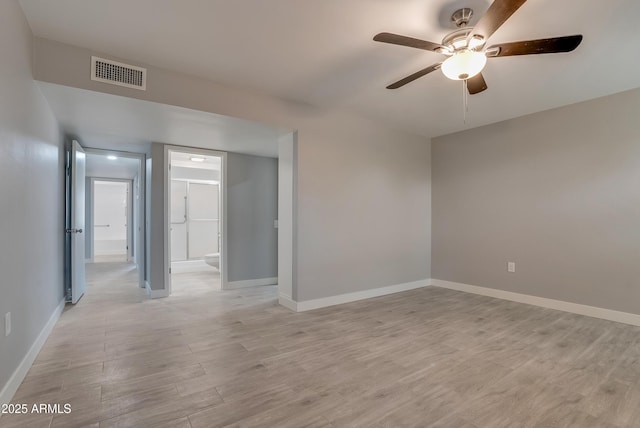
(76, 226)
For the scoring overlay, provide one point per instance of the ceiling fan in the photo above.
(465, 47)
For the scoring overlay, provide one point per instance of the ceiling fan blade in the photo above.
(396, 39)
(533, 47)
(496, 15)
(476, 84)
(414, 76)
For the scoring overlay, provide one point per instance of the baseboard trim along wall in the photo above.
(287, 302)
(576, 308)
(324, 302)
(154, 294)
(6, 395)
(231, 285)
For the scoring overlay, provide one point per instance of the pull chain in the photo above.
(465, 100)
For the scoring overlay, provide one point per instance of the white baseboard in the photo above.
(231, 285)
(576, 308)
(309, 305)
(287, 302)
(155, 294)
(8, 391)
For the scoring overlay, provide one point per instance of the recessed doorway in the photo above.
(195, 200)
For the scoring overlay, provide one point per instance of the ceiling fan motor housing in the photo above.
(456, 40)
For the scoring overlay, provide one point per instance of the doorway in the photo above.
(112, 237)
(195, 202)
(115, 213)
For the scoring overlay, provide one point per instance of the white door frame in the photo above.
(141, 157)
(167, 204)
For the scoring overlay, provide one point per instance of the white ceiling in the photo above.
(321, 51)
(98, 165)
(106, 121)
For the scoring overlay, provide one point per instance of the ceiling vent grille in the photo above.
(117, 73)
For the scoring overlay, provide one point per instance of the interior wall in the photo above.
(156, 217)
(386, 172)
(32, 184)
(88, 219)
(147, 218)
(557, 192)
(252, 208)
(135, 217)
(363, 209)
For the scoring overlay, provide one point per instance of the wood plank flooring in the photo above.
(425, 358)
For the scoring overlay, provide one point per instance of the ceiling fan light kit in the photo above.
(465, 47)
(464, 64)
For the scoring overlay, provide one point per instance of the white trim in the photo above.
(309, 305)
(287, 302)
(154, 294)
(576, 308)
(231, 285)
(12, 385)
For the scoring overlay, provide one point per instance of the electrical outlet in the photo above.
(7, 324)
(511, 267)
(275, 224)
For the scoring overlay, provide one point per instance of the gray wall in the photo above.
(31, 187)
(252, 207)
(156, 215)
(147, 218)
(88, 219)
(363, 213)
(362, 203)
(557, 192)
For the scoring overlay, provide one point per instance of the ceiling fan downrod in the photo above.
(461, 17)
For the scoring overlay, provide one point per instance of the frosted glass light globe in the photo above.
(464, 65)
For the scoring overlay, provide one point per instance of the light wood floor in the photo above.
(116, 258)
(427, 358)
(191, 284)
